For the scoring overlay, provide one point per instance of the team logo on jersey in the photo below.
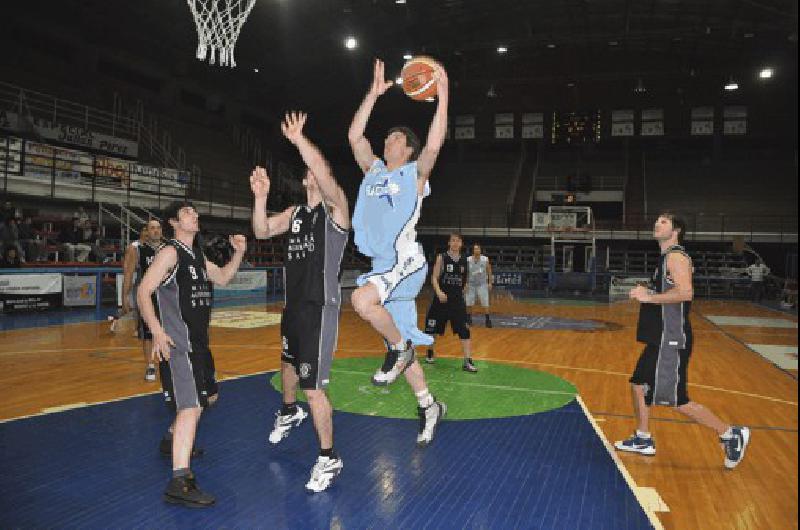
(449, 267)
(305, 370)
(296, 225)
(384, 190)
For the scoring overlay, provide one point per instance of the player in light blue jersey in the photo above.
(384, 222)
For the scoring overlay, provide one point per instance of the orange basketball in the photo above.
(417, 75)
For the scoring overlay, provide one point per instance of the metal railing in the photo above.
(701, 226)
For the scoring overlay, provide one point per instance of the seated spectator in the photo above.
(32, 244)
(9, 236)
(8, 211)
(91, 237)
(10, 259)
(71, 239)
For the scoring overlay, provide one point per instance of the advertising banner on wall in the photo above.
(80, 290)
(24, 292)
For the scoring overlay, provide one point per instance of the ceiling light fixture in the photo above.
(766, 73)
(351, 43)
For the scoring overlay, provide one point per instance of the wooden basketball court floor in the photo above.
(49, 372)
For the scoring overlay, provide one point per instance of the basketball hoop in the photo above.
(218, 25)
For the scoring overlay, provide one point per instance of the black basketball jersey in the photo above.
(314, 249)
(453, 276)
(184, 299)
(146, 253)
(658, 322)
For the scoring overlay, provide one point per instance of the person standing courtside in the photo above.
(384, 222)
(181, 277)
(660, 377)
(138, 257)
(479, 282)
(318, 233)
(449, 280)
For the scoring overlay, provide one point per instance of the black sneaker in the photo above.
(735, 446)
(184, 490)
(469, 367)
(429, 357)
(394, 364)
(165, 447)
(429, 419)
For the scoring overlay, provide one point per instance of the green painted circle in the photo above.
(496, 391)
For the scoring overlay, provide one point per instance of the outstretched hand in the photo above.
(292, 126)
(259, 182)
(442, 83)
(379, 83)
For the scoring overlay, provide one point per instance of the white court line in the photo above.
(84, 404)
(643, 502)
(476, 385)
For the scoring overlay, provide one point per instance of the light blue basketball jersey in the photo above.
(387, 210)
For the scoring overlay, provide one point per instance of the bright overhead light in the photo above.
(766, 73)
(407, 56)
(255, 70)
(551, 45)
(351, 43)
(731, 85)
(502, 49)
(399, 1)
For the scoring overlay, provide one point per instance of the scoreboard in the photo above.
(578, 127)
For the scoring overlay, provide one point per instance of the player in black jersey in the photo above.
(449, 279)
(138, 257)
(665, 329)
(181, 278)
(317, 235)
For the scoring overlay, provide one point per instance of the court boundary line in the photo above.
(742, 343)
(649, 512)
(502, 361)
(57, 409)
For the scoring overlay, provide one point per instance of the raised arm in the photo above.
(362, 151)
(331, 192)
(164, 262)
(437, 130)
(266, 226)
(223, 275)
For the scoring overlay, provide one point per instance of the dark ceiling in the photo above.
(561, 53)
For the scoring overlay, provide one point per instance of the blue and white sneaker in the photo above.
(735, 446)
(637, 444)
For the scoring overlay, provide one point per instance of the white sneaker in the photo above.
(324, 471)
(429, 418)
(283, 424)
(395, 363)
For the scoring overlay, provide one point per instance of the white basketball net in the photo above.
(218, 25)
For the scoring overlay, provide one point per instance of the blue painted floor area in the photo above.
(99, 467)
(58, 317)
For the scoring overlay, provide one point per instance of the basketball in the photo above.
(417, 75)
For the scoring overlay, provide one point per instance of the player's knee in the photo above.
(362, 300)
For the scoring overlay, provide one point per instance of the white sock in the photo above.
(640, 434)
(424, 398)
